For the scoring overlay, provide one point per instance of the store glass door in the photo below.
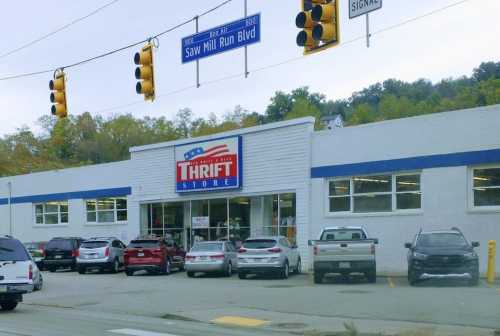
(239, 219)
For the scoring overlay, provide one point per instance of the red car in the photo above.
(153, 255)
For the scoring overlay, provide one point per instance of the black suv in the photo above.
(61, 252)
(442, 255)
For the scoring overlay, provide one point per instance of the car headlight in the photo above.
(470, 255)
(419, 256)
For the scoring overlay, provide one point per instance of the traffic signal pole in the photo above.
(246, 47)
(368, 30)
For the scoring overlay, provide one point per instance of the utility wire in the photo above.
(43, 37)
(114, 51)
(294, 59)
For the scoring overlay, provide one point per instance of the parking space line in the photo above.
(136, 332)
(240, 321)
(391, 283)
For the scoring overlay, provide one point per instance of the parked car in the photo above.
(103, 253)
(442, 255)
(153, 255)
(344, 250)
(272, 254)
(17, 272)
(61, 252)
(212, 257)
(36, 251)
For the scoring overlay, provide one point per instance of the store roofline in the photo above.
(240, 131)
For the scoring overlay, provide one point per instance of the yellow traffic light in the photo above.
(319, 21)
(58, 95)
(145, 72)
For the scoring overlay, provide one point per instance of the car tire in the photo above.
(318, 277)
(229, 270)
(115, 268)
(285, 270)
(182, 267)
(190, 274)
(129, 272)
(40, 283)
(82, 270)
(8, 305)
(298, 268)
(371, 276)
(242, 275)
(167, 267)
(475, 279)
(412, 279)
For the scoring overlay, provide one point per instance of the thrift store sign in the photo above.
(210, 165)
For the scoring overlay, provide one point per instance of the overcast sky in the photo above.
(448, 44)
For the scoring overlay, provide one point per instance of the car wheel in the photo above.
(190, 274)
(475, 279)
(412, 279)
(8, 305)
(242, 275)
(182, 267)
(298, 268)
(167, 269)
(81, 270)
(229, 270)
(129, 272)
(39, 285)
(371, 276)
(285, 271)
(318, 277)
(116, 266)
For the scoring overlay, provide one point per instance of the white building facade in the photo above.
(395, 177)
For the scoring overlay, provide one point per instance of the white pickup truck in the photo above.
(344, 250)
(17, 271)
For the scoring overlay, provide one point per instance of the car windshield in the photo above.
(94, 244)
(59, 244)
(12, 250)
(259, 243)
(144, 243)
(344, 234)
(446, 240)
(207, 247)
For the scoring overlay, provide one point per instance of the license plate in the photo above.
(3, 289)
(344, 265)
(58, 257)
(140, 254)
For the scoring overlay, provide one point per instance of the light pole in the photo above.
(9, 186)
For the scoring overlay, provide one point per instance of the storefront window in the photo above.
(200, 221)
(218, 219)
(173, 221)
(270, 208)
(280, 216)
(239, 220)
(486, 187)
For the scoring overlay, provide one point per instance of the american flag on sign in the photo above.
(200, 153)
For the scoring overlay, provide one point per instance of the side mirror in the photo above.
(407, 245)
(375, 241)
(475, 244)
(310, 242)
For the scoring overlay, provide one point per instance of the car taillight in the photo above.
(274, 250)
(75, 253)
(30, 274)
(189, 257)
(217, 256)
(315, 249)
(106, 252)
(242, 250)
(372, 249)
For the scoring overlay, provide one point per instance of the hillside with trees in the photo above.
(91, 139)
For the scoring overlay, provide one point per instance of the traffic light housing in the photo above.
(319, 21)
(145, 72)
(58, 95)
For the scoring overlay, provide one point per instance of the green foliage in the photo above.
(88, 139)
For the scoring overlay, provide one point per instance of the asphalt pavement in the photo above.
(157, 305)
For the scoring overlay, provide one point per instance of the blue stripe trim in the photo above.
(87, 194)
(411, 163)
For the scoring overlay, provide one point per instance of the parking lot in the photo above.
(266, 304)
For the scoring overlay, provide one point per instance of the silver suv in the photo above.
(103, 253)
(268, 255)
